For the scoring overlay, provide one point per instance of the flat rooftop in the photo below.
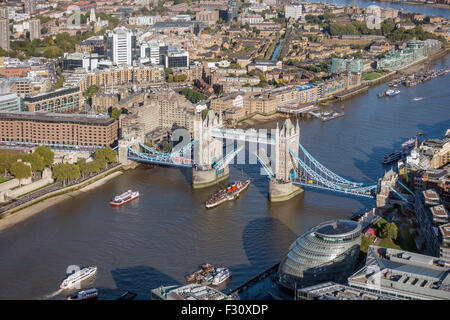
(57, 117)
(431, 194)
(335, 291)
(190, 292)
(407, 274)
(439, 211)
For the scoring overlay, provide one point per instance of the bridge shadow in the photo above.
(139, 279)
(187, 174)
(265, 242)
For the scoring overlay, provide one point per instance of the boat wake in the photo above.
(417, 99)
(51, 295)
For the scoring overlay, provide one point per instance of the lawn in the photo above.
(406, 239)
(388, 243)
(3, 179)
(371, 76)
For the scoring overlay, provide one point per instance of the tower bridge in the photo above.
(290, 170)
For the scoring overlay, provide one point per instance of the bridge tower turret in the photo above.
(280, 186)
(207, 151)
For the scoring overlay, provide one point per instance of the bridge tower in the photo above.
(122, 151)
(388, 181)
(207, 152)
(280, 186)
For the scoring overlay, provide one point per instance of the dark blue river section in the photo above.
(426, 10)
(156, 239)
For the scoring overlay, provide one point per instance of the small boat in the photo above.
(78, 276)
(207, 275)
(87, 294)
(221, 275)
(417, 99)
(391, 92)
(124, 198)
(392, 157)
(128, 296)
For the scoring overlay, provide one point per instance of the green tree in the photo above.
(89, 92)
(390, 230)
(115, 113)
(46, 153)
(36, 161)
(387, 26)
(20, 170)
(204, 113)
(53, 52)
(73, 171)
(167, 147)
(105, 155)
(64, 172)
(366, 242)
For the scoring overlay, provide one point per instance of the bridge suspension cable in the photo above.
(326, 171)
(221, 164)
(316, 180)
(265, 165)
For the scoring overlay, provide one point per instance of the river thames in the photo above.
(156, 239)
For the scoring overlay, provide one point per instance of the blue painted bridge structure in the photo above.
(309, 173)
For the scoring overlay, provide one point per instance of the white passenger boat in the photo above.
(77, 277)
(221, 275)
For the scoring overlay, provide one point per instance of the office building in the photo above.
(173, 57)
(336, 291)
(66, 99)
(327, 252)
(9, 102)
(69, 129)
(120, 45)
(293, 11)
(87, 61)
(403, 275)
(94, 44)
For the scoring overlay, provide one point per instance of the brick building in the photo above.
(61, 100)
(70, 129)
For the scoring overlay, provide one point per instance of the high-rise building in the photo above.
(35, 29)
(120, 45)
(4, 34)
(346, 65)
(30, 7)
(232, 10)
(4, 13)
(293, 11)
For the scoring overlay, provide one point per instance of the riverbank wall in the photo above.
(50, 199)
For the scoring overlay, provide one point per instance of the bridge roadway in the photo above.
(241, 135)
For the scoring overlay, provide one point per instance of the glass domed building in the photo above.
(327, 252)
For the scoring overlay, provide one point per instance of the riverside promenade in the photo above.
(54, 189)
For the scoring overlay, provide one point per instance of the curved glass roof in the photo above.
(337, 228)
